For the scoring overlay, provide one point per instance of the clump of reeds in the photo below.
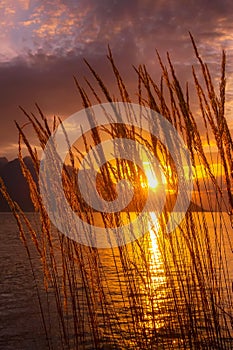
(161, 291)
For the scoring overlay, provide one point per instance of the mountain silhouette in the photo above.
(17, 187)
(16, 184)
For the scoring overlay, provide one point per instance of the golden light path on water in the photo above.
(158, 295)
(156, 287)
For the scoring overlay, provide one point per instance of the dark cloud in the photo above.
(43, 44)
(49, 82)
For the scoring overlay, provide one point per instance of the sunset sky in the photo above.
(43, 44)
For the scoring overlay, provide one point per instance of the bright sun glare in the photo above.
(150, 175)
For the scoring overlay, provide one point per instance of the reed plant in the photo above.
(160, 291)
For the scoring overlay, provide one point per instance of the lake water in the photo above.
(21, 324)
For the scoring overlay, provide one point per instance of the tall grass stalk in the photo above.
(161, 291)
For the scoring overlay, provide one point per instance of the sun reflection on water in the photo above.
(155, 290)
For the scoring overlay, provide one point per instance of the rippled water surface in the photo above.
(21, 324)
